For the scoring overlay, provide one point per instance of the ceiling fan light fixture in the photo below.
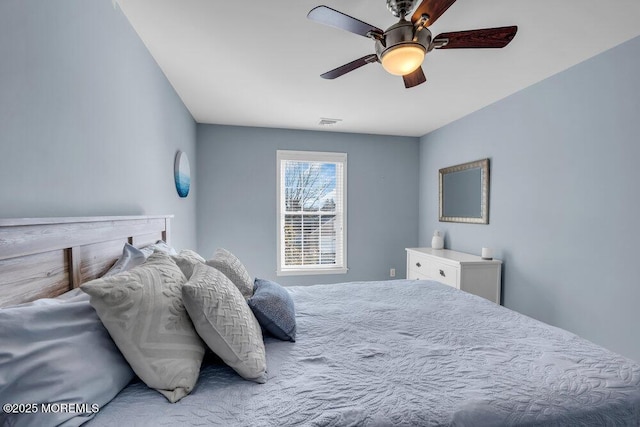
(403, 59)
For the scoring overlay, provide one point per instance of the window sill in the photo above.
(310, 272)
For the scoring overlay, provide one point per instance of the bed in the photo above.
(405, 353)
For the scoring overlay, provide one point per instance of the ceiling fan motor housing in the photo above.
(403, 33)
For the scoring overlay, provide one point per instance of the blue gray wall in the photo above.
(89, 125)
(565, 196)
(237, 199)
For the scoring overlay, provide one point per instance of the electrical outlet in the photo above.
(392, 272)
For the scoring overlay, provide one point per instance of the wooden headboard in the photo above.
(45, 257)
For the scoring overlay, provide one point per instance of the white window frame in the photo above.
(311, 156)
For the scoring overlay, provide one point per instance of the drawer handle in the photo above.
(418, 264)
(442, 273)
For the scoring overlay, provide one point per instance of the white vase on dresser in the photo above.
(460, 270)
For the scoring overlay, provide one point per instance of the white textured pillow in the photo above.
(186, 260)
(143, 311)
(225, 322)
(231, 267)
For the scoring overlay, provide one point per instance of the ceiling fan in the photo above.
(401, 48)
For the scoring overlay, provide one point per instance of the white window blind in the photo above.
(311, 212)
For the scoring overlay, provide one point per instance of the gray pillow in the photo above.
(273, 307)
(186, 260)
(223, 319)
(131, 257)
(54, 351)
(231, 267)
(142, 310)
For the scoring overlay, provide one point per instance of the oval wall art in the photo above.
(182, 174)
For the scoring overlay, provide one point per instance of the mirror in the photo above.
(464, 193)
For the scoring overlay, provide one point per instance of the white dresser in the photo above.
(467, 272)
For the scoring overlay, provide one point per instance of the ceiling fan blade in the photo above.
(326, 15)
(486, 38)
(353, 65)
(433, 8)
(414, 79)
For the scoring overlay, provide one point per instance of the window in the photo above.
(311, 212)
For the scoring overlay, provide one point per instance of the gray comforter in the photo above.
(405, 353)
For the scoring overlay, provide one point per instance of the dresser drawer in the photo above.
(424, 267)
(444, 273)
(418, 266)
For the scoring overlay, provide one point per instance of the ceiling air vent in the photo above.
(324, 121)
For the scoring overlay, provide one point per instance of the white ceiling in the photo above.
(258, 63)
